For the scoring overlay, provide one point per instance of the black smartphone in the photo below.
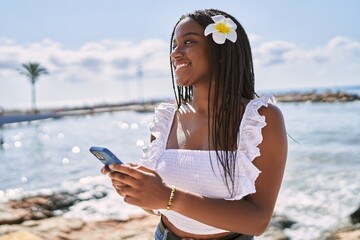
(105, 156)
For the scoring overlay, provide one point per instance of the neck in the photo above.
(201, 100)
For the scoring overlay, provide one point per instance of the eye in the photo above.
(188, 42)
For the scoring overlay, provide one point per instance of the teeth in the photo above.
(182, 65)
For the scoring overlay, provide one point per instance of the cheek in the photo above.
(205, 57)
(201, 59)
(205, 67)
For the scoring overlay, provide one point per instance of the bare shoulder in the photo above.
(273, 147)
(274, 143)
(271, 113)
(271, 161)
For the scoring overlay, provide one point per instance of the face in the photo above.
(191, 54)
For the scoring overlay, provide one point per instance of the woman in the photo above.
(215, 164)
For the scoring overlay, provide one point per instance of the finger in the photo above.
(117, 184)
(146, 170)
(115, 167)
(127, 169)
(118, 190)
(142, 168)
(124, 179)
(129, 200)
(125, 191)
(105, 170)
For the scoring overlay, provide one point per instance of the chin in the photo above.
(182, 83)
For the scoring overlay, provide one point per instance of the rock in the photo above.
(281, 222)
(11, 216)
(317, 97)
(40, 207)
(347, 233)
(355, 216)
(21, 235)
(274, 233)
(60, 228)
(6, 229)
(61, 201)
(277, 225)
(30, 223)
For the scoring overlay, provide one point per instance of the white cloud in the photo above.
(275, 52)
(277, 64)
(107, 59)
(282, 64)
(338, 49)
(5, 41)
(253, 38)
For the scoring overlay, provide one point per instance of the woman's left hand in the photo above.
(140, 186)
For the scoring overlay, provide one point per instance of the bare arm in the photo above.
(249, 215)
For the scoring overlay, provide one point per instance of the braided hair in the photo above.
(232, 74)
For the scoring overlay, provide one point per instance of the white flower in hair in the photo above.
(223, 28)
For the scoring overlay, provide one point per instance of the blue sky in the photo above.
(93, 49)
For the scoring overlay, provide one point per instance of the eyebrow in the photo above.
(190, 33)
(187, 34)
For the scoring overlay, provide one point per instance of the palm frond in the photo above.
(32, 70)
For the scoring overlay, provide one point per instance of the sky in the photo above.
(95, 50)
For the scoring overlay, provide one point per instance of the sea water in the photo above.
(320, 188)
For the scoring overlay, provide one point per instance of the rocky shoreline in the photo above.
(317, 97)
(41, 217)
(14, 116)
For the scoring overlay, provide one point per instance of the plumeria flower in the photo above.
(222, 29)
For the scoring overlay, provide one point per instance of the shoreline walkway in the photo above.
(15, 117)
(148, 106)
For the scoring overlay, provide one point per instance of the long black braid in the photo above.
(233, 76)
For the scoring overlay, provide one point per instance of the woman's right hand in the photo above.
(105, 170)
(116, 184)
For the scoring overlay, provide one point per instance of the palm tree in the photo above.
(32, 70)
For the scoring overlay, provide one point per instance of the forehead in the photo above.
(186, 26)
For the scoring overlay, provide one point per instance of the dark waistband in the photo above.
(172, 236)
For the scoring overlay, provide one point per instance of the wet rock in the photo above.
(281, 222)
(61, 201)
(349, 232)
(275, 231)
(40, 207)
(355, 216)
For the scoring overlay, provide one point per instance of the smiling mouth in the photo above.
(177, 67)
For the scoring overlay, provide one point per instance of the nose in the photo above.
(176, 53)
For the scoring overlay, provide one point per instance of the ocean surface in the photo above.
(320, 189)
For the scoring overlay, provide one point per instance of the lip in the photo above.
(179, 65)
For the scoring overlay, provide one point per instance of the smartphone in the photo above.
(105, 155)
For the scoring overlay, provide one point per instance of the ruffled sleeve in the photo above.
(249, 138)
(159, 128)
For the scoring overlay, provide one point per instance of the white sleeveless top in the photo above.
(191, 170)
